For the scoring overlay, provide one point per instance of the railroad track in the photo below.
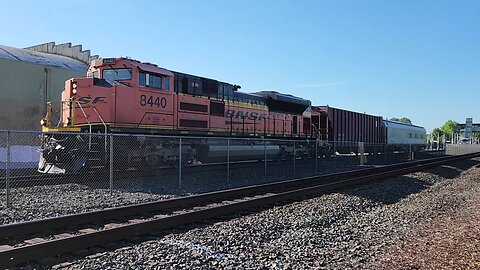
(30, 241)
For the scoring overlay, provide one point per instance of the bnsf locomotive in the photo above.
(121, 95)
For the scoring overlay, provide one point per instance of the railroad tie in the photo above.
(62, 265)
(135, 220)
(160, 216)
(87, 230)
(112, 225)
(34, 241)
(5, 248)
(63, 235)
(96, 255)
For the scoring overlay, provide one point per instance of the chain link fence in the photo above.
(60, 173)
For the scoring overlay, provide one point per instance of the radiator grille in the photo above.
(193, 107)
(193, 123)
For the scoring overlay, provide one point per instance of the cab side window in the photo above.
(155, 81)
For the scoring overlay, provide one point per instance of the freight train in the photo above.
(125, 96)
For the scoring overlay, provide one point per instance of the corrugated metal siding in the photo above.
(44, 59)
(369, 129)
(348, 128)
(352, 126)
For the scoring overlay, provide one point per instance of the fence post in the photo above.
(411, 153)
(105, 147)
(7, 171)
(385, 147)
(316, 156)
(334, 156)
(265, 157)
(350, 154)
(228, 162)
(294, 159)
(180, 163)
(361, 153)
(111, 164)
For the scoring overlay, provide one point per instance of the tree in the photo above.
(402, 120)
(437, 134)
(449, 128)
(405, 120)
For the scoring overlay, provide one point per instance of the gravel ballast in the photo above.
(39, 202)
(355, 228)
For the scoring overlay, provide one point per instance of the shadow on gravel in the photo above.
(389, 191)
(454, 170)
(466, 164)
(392, 191)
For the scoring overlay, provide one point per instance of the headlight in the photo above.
(42, 122)
(74, 88)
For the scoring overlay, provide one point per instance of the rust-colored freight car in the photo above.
(345, 126)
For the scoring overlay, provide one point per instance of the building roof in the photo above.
(40, 58)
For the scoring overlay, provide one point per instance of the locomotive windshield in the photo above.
(117, 74)
(92, 74)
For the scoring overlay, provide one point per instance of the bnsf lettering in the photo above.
(86, 100)
(159, 102)
(229, 113)
(246, 115)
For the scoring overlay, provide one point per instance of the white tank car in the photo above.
(401, 133)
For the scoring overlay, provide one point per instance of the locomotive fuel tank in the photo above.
(238, 151)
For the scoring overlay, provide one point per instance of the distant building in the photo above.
(32, 76)
(466, 131)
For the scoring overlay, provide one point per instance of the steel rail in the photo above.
(22, 254)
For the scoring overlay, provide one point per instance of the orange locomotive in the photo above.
(127, 96)
(121, 95)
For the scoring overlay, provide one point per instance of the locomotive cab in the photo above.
(104, 99)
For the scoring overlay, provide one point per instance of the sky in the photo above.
(418, 59)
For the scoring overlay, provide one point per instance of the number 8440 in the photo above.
(152, 101)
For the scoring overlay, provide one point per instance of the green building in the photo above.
(32, 76)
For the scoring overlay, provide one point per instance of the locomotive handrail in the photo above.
(105, 126)
(89, 125)
(101, 119)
